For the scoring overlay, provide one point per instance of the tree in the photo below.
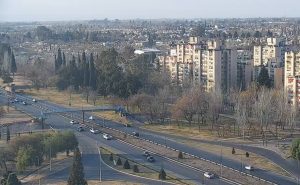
(13, 179)
(185, 108)
(126, 164)
(7, 134)
(162, 174)
(257, 34)
(111, 157)
(119, 162)
(215, 106)
(94, 96)
(13, 65)
(295, 149)
(233, 151)
(24, 157)
(77, 175)
(135, 168)
(263, 78)
(247, 154)
(180, 155)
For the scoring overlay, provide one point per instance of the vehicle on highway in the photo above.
(127, 125)
(74, 122)
(146, 154)
(16, 100)
(91, 118)
(209, 175)
(249, 167)
(94, 131)
(136, 134)
(12, 101)
(107, 137)
(24, 103)
(34, 100)
(150, 159)
(80, 129)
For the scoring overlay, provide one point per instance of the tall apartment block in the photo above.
(205, 64)
(269, 54)
(292, 77)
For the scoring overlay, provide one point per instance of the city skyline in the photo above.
(64, 10)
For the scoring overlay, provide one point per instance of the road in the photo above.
(163, 139)
(90, 154)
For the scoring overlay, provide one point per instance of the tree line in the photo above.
(108, 74)
(33, 149)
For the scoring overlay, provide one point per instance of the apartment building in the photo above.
(205, 64)
(292, 77)
(244, 68)
(270, 54)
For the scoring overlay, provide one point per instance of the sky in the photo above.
(58, 10)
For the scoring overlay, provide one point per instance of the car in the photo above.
(92, 130)
(249, 167)
(73, 122)
(24, 103)
(136, 134)
(150, 159)
(16, 100)
(209, 175)
(34, 100)
(91, 118)
(12, 101)
(107, 137)
(80, 129)
(127, 125)
(146, 154)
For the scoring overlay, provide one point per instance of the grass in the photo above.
(144, 171)
(12, 116)
(193, 133)
(112, 116)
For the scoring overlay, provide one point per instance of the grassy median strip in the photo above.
(143, 170)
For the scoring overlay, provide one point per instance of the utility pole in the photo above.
(50, 159)
(100, 164)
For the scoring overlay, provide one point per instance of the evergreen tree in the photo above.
(77, 175)
(135, 168)
(92, 70)
(7, 134)
(59, 59)
(263, 78)
(162, 174)
(126, 165)
(64, 60)
(13, 65)
(12, 179)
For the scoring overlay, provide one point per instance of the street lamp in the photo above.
(100, 163)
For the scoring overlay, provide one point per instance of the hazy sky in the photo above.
(44, 10)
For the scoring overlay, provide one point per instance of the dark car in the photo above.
(150, 159)
(136, 134)
(80, 129)
(146, 154)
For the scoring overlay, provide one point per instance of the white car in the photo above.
(73, 122)
(249, 167)
(34, 100)
(92, 130)
(24, 103)
(107, 137)
(91, 118)
(209, 175)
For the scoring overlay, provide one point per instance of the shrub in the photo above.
(233, 151)
(247, 154)
(180, 155)
(119, 162)
(111, 158)
(162, 174)
(135, 168)
(126, 165)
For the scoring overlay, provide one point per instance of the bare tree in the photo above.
(185, 108)
(215, 106)
(94, 96)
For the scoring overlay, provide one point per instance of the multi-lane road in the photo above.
(89, 142)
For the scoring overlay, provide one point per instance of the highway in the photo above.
(163, 139)
(88, 143)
